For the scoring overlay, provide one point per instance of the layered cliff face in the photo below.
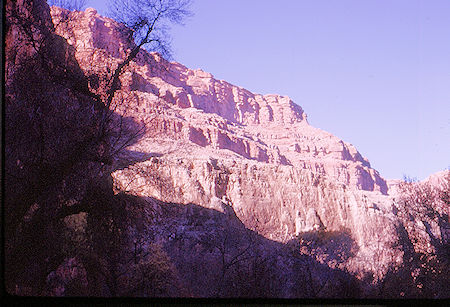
(220, 146)
(235, 189)
(194, 107)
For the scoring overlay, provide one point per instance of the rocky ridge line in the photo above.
(220, 146)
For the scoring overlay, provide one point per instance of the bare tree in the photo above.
(146, 24)
(153, 17)
(149, 21)
(59, 137)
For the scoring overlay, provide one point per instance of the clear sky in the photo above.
(375, 73)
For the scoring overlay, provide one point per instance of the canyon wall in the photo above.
(215, 144)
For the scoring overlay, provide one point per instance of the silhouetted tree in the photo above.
(148, 21)
(59, 141)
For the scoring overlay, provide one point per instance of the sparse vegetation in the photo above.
(423, 207)
(423, 236)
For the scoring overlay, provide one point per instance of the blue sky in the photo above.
(374, 73)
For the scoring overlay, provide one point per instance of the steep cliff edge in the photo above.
(235, 189)
(209, 142)
(191, 106)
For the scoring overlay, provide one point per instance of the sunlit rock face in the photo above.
(192, 106)
(220, 146)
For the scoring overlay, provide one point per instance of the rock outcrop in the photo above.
(214, 142)
(193, 107)
(219, 172)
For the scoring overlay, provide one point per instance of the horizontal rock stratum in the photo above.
(220, 146)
